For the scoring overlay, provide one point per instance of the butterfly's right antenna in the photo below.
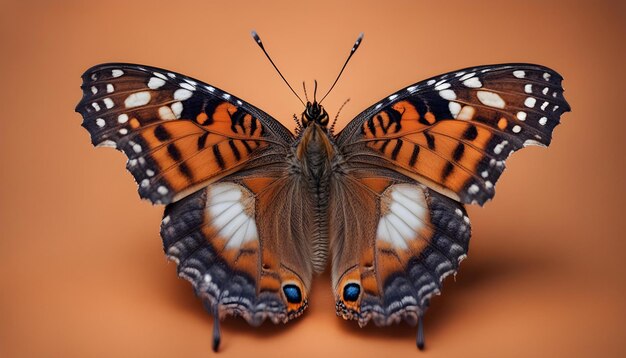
(256, 38)
(356, 45)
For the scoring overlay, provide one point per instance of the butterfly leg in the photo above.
(420, 333)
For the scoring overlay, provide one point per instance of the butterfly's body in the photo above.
(312, 161)
(254, 211)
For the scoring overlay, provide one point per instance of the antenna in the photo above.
(356, 45)
(256, 38)
(305, 95)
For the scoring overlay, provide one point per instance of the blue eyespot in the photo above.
(293, 294)
(351, 292)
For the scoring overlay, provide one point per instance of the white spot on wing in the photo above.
(187, 86)
(519, 74)
(182, 94)
(166, 113)
(473, 82)
(533, 142)
(137, 99)
(467, 113)
(122, 118)
(177, 108)
(490, 99)
(155, 82)
(499, 147)
(455, 108)
(521, 115)
(530, 102)
(108, 103)
(110, 88)
(448, 94)
(393, 96)
(117, 73)
(528, 88)
(543, 121)
(107, 143)
(469, 75)
(100, 122)
(442, 86)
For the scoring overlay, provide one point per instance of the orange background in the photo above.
(82, 273)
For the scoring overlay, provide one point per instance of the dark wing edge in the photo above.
(161, 120)
(511, 105)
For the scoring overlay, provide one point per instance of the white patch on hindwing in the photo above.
(230, 211)
(403, 210)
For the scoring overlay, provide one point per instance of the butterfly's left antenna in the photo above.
(356, 45)
(256, 38)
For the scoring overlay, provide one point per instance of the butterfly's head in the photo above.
(314, 113)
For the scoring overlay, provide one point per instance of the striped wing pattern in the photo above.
(453, 132)
(179, 134)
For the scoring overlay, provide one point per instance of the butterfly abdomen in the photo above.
(314, 153)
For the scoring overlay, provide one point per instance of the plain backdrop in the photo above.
(82, 273)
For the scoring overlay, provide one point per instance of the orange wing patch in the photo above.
(180, 155)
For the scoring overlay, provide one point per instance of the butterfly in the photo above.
(253, 210)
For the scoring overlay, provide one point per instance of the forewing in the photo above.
(454, 131)
(179, 134)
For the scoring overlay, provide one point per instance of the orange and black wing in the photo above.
(242, 243)
(454, 131)
(393, 244)
(237, 220)
(408, 163)
(179, 134)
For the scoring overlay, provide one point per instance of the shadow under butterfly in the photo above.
(253, 210)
